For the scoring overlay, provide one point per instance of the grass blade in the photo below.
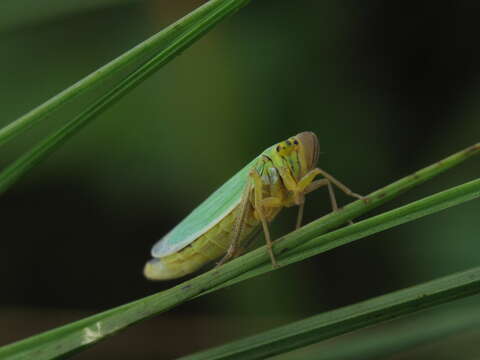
(349, 318)
(78, 335)
(209, 17)
(386, 340)
(181, 33)
(331, 221)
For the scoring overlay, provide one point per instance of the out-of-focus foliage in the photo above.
(16, 14)
(388, 88)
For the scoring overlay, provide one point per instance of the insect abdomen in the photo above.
(206, 248)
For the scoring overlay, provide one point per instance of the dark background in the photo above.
(388, 88)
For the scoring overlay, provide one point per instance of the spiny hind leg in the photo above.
(238, 225)
(260, 203)
(248, 245)
(244, 247)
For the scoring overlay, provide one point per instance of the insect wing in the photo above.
(205, 216)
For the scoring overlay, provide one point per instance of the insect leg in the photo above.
(331, 193)
(299, 215)
(329, 180)
(333, 200)
(238, 225)
(300, 188)
(259, 204)
(314, 185)
(322, 182)
(248, 244)
(337, 183)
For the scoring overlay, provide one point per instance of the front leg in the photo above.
(309, 186)
(337, 183)
(298, 189)
(314, 185)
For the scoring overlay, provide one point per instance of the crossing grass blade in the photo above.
(340, 321)
(83, 333)
(167, 44)
(164, 45)
(436, 325)
(355, 209)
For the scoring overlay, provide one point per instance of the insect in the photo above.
(225, 222)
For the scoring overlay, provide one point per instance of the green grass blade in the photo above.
(349, 318)
(387, 220)
(181, 33)
(386, 340)
(75, 336)
(201, 25)
(333, 220)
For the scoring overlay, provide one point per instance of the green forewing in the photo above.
(206, 215)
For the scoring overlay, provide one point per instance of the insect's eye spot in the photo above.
(295, 142)
(285, 147)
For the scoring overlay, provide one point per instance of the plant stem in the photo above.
(145, 49)
(78, 335)
(198, 24)
(340, 321)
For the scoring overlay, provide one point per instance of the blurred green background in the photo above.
(387, 87)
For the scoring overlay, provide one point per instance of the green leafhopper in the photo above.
(279, 177)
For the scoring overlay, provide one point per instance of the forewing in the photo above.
(205, 216)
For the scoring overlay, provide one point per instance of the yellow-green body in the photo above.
(279, 177)
(208, 247)
(215, 242)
